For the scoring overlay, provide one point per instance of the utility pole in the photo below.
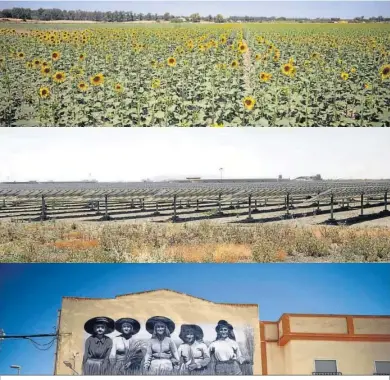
(221, 170)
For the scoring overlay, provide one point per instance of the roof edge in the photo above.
(168, 290)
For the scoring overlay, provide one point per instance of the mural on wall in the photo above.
(161, 347)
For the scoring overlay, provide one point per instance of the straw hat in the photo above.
(108, 322)
(198, 332)
(166, 321)
(223, 323)
(134, 323)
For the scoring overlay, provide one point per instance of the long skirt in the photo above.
(197, 371)
(160, 367)
(230, 367)
(93, 367)
(119, 366)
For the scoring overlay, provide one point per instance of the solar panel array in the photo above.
(163, 190)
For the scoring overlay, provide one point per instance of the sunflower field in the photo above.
(189, 75)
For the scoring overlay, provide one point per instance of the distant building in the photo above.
(316, 177)
(193, 179)
(227, 180)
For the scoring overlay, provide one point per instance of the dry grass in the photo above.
(203, 242)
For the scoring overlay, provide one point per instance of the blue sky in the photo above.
(31, 294)
(179, 152)
(310, 9)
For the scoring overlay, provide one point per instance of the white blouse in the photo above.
(226, 349)
(120, 346)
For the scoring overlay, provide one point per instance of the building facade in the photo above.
(301, 344)
(296, 344)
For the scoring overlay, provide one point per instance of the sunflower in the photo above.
(171, 61)
(97, 79)
(353, 70)
(118, 88)
(216, 125)
(366, 86)
(344, 76)
(223, 39)
(21, 55)
(242, 47)
(82, 86)
(385, 72)
(45, 70)
(36, 62)
(234, 64)
(315, 56)
(44, 92)
(81, 56)
(56, 55)
(156, 83)
(29, 65)
(59, 77)
(257, 57)
(265, 77)
(288, 69)
(249, 102)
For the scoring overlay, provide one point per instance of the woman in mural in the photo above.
(225, 351)
(193, 353)
(126, 353)
(161, 355)
(98, 346)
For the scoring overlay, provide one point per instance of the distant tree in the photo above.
(195, 17)
(166, 16)
(6, 13)
(219, 18)
(23, 13)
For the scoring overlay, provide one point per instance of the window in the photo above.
(325, 367)
(382, 367)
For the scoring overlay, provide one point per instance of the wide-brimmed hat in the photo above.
(89, 325)
(223, 323)
(198, 332)
(136, 325)
(152, 321)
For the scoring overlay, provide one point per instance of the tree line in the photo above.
(123, 16)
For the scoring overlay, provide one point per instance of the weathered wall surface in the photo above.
(180, 308)
(318, 325)
(271, 331)
(371, 325)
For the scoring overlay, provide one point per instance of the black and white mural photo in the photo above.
(161, 346)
